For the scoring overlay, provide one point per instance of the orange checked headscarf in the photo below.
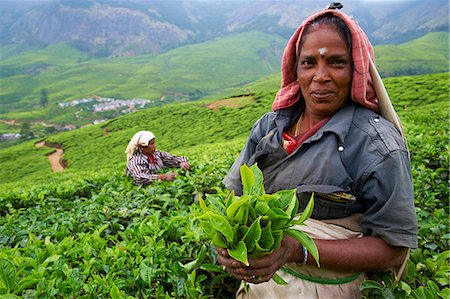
(367, 87)
(362, 90)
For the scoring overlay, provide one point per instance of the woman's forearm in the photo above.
(361, 254)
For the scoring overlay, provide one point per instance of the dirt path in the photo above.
(55, 158)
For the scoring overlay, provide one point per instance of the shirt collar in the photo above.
(338, 124)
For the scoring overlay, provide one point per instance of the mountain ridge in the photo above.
(108, 28)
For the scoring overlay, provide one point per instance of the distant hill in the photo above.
(182, 74)
(186, 73)
(109, 28)
(427, 54)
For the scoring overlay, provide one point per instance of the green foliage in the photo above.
(104, 236)
(253, 224)
(427, 54)
(184, 73)
(89, 232)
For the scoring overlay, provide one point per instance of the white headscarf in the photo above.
(141, 138)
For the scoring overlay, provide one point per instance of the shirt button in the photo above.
(341, 148)
(377, 119)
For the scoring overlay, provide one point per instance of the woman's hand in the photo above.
(185, 165)
(262, 269)
(170, 176)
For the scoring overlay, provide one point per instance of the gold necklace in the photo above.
(298, 125)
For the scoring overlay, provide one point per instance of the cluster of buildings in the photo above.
(94, 104)
(98, 104)
(10, 136)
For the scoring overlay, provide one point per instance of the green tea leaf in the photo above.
(212, 268)
(202, 204)
(26, 283)
(266, 241)
(230, 199)
(251, 213)
(189, 267)
(233, 208)
(281, 223)
(239, 253)
(278, 280)
(371, 284)
(261, 208)
(7, 276)
(292, 207)
(258, 185)
(247, 178)
(219, 223)
(237, 236)
(259, 251)
(116, 293)
(277, 237)
(52, 258)
(443, 257)
(306, 241)
(145, 271)
(253, 234)
(272, 199)
(308, 210)
(216, 204)
(219, 241)
(281, 199)
(445, 293)
(9, 296)
(432, 286)
(241, 216)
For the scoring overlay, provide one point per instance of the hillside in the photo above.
(90, 232)
(183, 74)
(178, 126)
(427, 54)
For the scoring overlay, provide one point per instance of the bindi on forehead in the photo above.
(323, 51)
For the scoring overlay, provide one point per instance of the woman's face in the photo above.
(324, 70)
(150, 149)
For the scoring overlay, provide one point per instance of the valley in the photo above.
(182, 75)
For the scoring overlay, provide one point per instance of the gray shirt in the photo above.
(357, 153)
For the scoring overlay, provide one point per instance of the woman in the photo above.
(144, 161)
(326, 136)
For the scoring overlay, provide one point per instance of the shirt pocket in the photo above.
(329, 204)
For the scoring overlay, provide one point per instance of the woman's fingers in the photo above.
(185, 165)
(260, 269)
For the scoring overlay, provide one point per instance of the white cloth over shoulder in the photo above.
(302, 289)
(141, 138)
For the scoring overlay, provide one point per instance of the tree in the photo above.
(44, 97)
(25, 131)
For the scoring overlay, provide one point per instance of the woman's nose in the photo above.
(322, 73)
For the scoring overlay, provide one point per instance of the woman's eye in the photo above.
(307, 62)
(339, 62)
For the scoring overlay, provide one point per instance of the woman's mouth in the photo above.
(322, 95)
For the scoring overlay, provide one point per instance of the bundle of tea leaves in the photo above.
(253, 225)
